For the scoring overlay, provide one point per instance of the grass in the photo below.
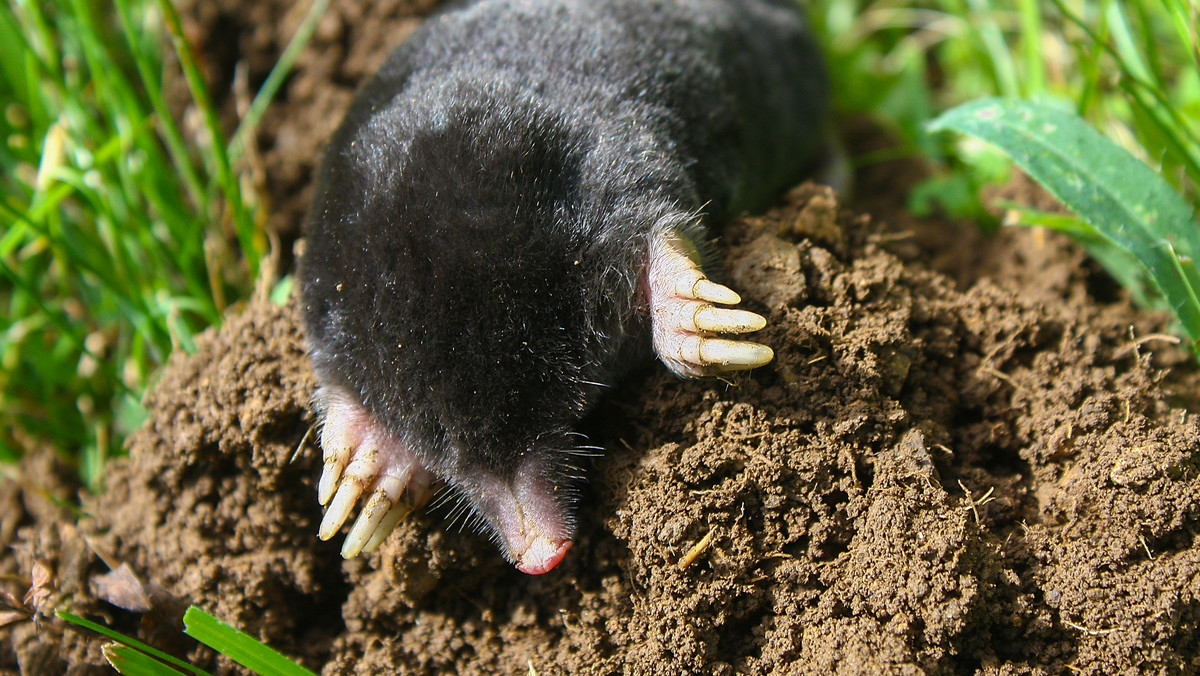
(125, 232)
(1130, 70)
(131, 657)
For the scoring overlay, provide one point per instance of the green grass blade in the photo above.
(1127, 203)
(1031, 47)
(1185, 16)
(243, 222)
(999, 54)
(278, 74)
(132, 662)
(131, 642)
(172, 137)
(1126, 45)
(239, 646)
(1170, 122)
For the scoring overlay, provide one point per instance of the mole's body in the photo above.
(509, 217)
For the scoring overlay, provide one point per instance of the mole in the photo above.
(514, 213)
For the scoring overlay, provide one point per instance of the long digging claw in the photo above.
(712, 292)
(339, 510)
(733, 354)
(386, 526)
(722, 320)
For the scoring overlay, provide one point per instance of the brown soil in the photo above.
(970, 455)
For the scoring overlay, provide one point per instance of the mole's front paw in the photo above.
(686, 323)
(361, 457)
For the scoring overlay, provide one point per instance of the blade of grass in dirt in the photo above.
(279, 72)
(1033, 68)
(243, 223)
(149, 69)
(112, 250)
(131, 642)
(1185, 16)
(132, 662)
(239, 646)
(1126, 202)
(983, 18)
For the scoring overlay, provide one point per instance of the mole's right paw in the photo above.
(685, 322)
(361, 457)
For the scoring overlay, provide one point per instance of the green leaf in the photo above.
(1129, 205)
(133, 662)
(238, 646)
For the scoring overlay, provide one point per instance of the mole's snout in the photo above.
(529, 515)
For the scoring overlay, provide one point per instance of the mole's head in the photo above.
(456, 325)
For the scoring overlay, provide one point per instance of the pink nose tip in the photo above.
(543, 555)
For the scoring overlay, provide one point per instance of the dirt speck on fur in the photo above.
(965, 458)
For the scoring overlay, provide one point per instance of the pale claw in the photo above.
(685, 322)
(712, 292)
(723, 320)
(329, 479)
(386, 526)
(339, 509)
(373, 513)
(734, 355)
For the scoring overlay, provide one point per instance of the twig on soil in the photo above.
(1002, 376)
(696, 550)
(1089, 632)
(1145, 546)
(1136, 343)
(1174, 340)
(300, 446)
(532, 671)
(13, 609)
(974, 504)
(885, 237)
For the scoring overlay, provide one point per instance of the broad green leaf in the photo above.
(1129, 205)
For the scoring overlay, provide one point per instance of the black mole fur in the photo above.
(483, 214)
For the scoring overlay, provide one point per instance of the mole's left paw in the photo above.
(361, 457)
(686, 323)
